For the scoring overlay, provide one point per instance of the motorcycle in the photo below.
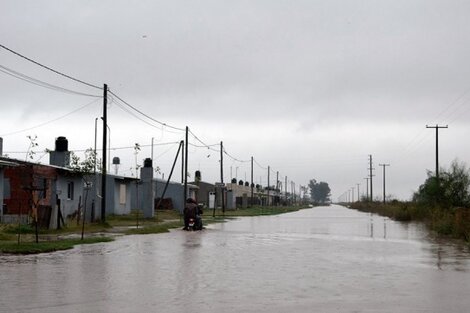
(196, 223)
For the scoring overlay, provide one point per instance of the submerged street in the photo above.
(324, 259)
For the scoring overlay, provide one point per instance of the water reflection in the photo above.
(328, 259)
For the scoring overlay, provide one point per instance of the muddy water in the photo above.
(317, 260)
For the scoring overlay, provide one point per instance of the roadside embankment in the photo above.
(452, 222)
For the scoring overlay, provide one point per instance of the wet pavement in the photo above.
(325, 259)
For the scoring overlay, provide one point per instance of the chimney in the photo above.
(60, 156)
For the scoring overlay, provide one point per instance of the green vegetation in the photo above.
(442, 204)
(46, 246)
(320, 192)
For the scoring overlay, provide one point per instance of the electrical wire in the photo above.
(143, 114)
(234, 158)
(48, 68)
(41, 83)
(113, 149)
(50, 121)
(259, 165)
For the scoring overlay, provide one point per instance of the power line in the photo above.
(262, 167)
(142, 113)
(48, 68)
(113, 149)
(202, 142)
(41, 83)
(234, 158)
(51, 121)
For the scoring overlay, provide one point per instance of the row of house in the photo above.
(57, 194)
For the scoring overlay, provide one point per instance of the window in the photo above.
(6, 188)
(70, 191)
(122, 194)
(44, 188)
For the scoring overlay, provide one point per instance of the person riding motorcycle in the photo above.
(190, 211)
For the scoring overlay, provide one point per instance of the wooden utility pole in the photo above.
(222, 175)
(285, 191)
(437, 147)
(186, 166)
(252, 184)
(384, 165)
(358, 195)
(103, 169)
(370, 177)
(269, 170)
(182, 164)
(277, 188)
(367, 188)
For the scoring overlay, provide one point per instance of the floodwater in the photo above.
(325, 259)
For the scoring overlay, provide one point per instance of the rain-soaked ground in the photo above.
(325, 259)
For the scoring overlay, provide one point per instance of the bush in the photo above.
(451, 190)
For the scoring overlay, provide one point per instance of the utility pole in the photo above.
(185, 169)
(182, 162)
(269, 170)
(277, 188)
(352, 194)
(222, 174)
(358, 196)
(252, 184)
(437, 147)
(384, 165)
(367, 188)
(370, 177)
(103, 169)
(285, 191)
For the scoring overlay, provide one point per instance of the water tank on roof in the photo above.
(148, 162)
(61, 144)
(116, 161)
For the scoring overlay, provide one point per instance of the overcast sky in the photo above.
(310, 88)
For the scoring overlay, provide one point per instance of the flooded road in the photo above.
(325, 259)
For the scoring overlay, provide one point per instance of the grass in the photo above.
(454, 222)
(13, 247)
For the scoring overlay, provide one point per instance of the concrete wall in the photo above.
(1, 192)
(174, 191)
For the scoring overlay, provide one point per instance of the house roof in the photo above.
(4, 162)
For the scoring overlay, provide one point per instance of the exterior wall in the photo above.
(113, 196)
(1, 192)
(148, 192)
(122, 197)
(23, 179)
(174, 192)
(202, 194)
(69, 206)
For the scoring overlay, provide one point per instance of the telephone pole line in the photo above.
(384, 165)
(252, 184)
(370, 177)
(222, 175)
(358, 196)
(269, 170)
(437, 147)
(367, 188)
(185, 189)
(103, 169)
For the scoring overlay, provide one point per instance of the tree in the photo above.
(320, 192)
(451, 190)
(85, 169)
